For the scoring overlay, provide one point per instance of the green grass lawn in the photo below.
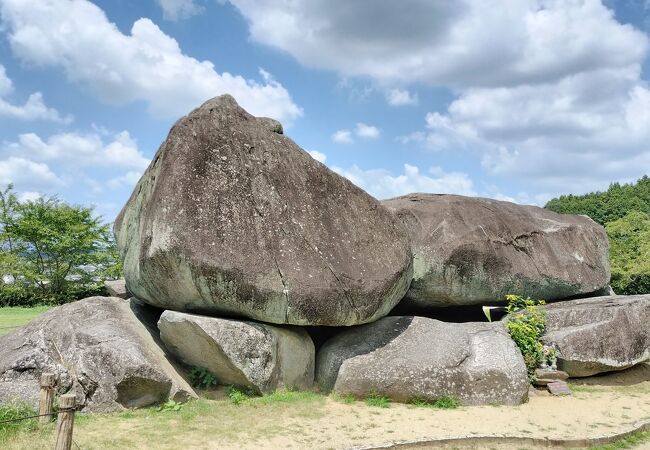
(13, 317)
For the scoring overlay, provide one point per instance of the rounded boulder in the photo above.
(233, 218)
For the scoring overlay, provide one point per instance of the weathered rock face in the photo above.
(259, 356)
(599, 334)
(98, 349)
(414, 357)
(117, 288)
(234, 218)
(475, 251)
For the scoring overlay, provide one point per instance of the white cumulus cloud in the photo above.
(383, 184)
(144, 65)
(365, 131)
(179, 9)
(342, 137)
(81, 150)
(361, 130)
(548, 92)
(401, 97)
(33, 109)
(25, 173)
(86, 164)
(318, 156)
(447, 43)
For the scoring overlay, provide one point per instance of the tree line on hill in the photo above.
(624, 211)
(52, 252)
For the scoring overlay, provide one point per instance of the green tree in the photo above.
(629, 242)
(604, 207)
(58, 240)
(8, 212)
(56, 252)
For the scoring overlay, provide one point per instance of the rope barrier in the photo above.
(36, 416)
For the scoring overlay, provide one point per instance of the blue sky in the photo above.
(516, 99)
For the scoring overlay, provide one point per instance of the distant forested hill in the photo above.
(624, 210)
(604, 207)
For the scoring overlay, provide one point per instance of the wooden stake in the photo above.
(66, 422)
(47, 397)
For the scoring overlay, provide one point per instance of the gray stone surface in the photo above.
(599, 334)
(98, 349)
(406, 357)
(232, 218)
(558, 387)
(545, 376)
(117, 288)
(255, 355)
(475, 251)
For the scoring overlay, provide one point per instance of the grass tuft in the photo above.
(10, 412)
(446, 402)
(238, 395)
(379, 401)
(286, 396)
(347, 399)
(631, 441)
(17, 316)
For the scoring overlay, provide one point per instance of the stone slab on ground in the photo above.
(544, 376)
(251, 354)
(406, 358)
(599, 334)
(558, 387)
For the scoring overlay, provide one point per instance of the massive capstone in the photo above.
(255, 355)
(100, 348)
(475, 251)
(407, 358)
(599, 334)
(233, 218)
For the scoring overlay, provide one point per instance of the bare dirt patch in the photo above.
(599, 406)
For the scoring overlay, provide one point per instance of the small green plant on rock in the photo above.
(379, 401)
(201, 377)
(526, 324)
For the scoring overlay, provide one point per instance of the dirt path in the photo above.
(600, 406)
(585, 414)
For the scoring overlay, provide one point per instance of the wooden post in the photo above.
(47, 397)
(66, 422)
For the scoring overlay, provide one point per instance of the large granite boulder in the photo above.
(599, 334)
(476, 250)
(233, 218)
(255, 355)
(405, 358)
(98, 349)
